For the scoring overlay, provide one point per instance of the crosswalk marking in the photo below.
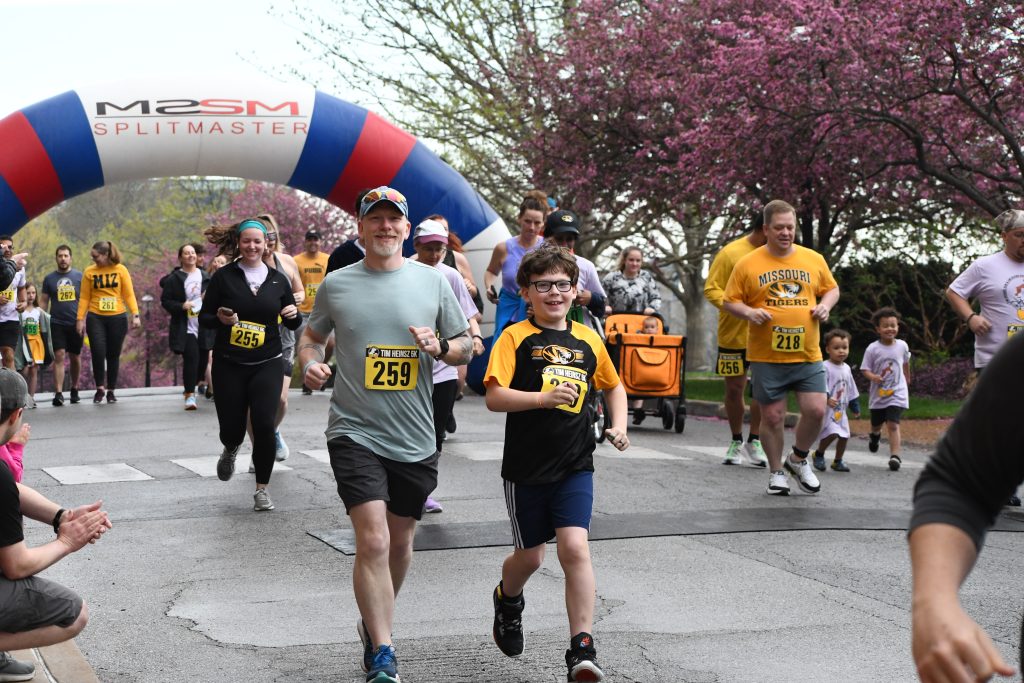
(207, 466)
(96, 474)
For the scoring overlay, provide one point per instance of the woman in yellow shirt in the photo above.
(107, 296)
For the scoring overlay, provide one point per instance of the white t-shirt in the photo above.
(194, 293)
(9, 310)
(997, 282)
(887, 361)
(840, 385)
(254, 275)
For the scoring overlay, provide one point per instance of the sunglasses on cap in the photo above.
(383, 193)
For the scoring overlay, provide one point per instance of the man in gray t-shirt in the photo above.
(60, 291)
(392, 319)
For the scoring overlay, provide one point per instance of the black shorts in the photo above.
(65, 337)
(879, 416)
(33, 602)
(731, 362)
(362, 476)
(10, 332)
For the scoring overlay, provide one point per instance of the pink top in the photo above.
(11, 453)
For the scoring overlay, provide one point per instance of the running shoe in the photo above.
(74, 395)
(508, 624)
(364, 638)
(450, 426)
(306, 391)
(209, 394)
(13, 670)
(873, 440)
(432, 506)
(1013, 501)
(190, 402)
(282, 451)
(778, 484)
(200, 389)
(31, 403)
(226, 463)
(819, 462)
(58, 399)
(261, 501)
(581, 659)
(638, 416)
(755, 453)
(110, 396)
(894, 463)
(384, 667)
(840, 466)
(252, 467)
(732, 455)
(804, 475)
(98, 396)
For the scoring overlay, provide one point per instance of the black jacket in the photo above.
(172, 299)
(229, 289)
(345, 254)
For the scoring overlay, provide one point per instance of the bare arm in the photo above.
(493, 272)
(312, 358)
(505, 400)
(462, 263)
(947, 644)
(745, 312)
(976, 322)
(825, 304)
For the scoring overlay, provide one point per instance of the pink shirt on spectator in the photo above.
(11, 454)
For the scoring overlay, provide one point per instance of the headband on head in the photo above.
(251, 223)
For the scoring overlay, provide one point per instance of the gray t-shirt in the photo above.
(383, 391)
(63, 290)
(887, 361)
(997, 282)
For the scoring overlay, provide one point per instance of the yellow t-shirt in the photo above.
(788, 288)
(107, 291)
(311, 271)
(732, 331)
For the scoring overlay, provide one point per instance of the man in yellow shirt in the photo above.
(784, 291)
(731, 363)
(312, 265)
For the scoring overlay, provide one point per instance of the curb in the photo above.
(60, 663)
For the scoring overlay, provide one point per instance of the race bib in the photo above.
(247, 335)
(787, 339)
(65, 293)
(31, 327)
(391, 368)
(7, 295)
(1013, 329)
(311, 290)
(108, 304)
(730, 364)
(553, 375)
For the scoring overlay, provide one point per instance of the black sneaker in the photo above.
(873, 440)
(639, 416)
(74, 395)
(581, 659)
(306, 391)
(894, 463)
(110, 396)
(508, 624)
(226, 463)
(364, 638)
(58, 399)
(98, 396)
(450, 426)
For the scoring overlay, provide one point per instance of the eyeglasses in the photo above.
(544, 286)
(384, 193)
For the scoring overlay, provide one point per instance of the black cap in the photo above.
(312, 235)
(561, 221)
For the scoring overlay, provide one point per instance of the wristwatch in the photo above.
(444, 348)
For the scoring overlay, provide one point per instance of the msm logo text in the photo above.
(207, 107)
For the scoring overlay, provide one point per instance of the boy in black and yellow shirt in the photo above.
(540, 373)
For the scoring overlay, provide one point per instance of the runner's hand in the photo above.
(226, 316)
(492, 294)
(80, 328)
(617, 438)
(759, 316)
(564, 394)
(979, 325)
(426, 340)
(289, 311)
(820, 312)
(949, 646)
(317, 375)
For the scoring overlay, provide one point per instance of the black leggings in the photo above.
(193, 368)
(106, 337)
(244, 390)
(444, 403)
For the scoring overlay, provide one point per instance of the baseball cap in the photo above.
(312, 235)
(561, 221)
(1010, 220)
(383, 194)
(13, 390)
(430, 231)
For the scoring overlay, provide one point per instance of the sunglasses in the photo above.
(384, 193)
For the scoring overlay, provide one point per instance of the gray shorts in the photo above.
(31, 603)
(772, 381)
(362, 476)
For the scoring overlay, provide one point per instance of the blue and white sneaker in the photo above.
(282, 451)
(384, 668)
(364, 638)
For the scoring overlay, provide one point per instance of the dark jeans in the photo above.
(193, 364)
(444, 403)
(245, 391)
(106, 337)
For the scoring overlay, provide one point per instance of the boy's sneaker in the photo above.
(508, 624)
(13, 670)
(804, 475)
(755, 453)
(261, 501)
(384, 666)
(778, 484)
(364, 638)
(432, 506)
(75, 398)
(819, 462)
(873, 440)
(732, 455)
(58, 399)
(581, 659)
(840, 466)
(894, 463)
(281, 452)
(226, 463)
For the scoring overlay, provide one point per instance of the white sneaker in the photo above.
(282, 451)
(755, 453)
(261, 501)
(778, 484)
(732, 456)
(803, 474)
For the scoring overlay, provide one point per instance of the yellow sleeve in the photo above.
(502, 364)
(86, 293)
(734, 289)
(128, 291)
(714, 286)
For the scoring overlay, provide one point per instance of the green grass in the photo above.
(921, 407)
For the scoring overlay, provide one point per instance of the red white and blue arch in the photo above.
(288, 134)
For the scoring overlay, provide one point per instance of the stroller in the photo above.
(650, 366)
